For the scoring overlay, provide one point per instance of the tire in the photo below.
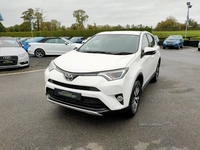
(155, 77)
(178, 47)
(134, 100)
(164, 47)
(198, 49)
(39, 53)
(182, 46)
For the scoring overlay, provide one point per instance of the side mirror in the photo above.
(66, 43)
(149, 51)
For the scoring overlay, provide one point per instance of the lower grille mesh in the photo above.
(88, 103)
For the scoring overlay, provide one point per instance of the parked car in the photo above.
(31, 40)
(156, 38)
(174, 41)
(77, 39)
(66, 37)
(51, 46)
(23, 39)
(86, 40)
(199, 46)
(106, 74)
(12, 55)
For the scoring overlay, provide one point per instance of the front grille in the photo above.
(8, 60)
(87, 103)
(87, 88)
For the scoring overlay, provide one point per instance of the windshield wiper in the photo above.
(98, 52)
(123, 53)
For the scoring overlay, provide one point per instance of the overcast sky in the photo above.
(102, 12)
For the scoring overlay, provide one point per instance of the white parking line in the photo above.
(21, 72)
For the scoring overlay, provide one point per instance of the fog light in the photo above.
(120, 98)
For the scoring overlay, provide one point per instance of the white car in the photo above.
(12, 55)
(106, 74)
(51, 46)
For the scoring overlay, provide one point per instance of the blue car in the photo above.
(174, 41)
(77, 39)
(31, 40)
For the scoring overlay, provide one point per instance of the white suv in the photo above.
(106, 74)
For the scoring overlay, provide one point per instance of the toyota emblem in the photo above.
(69, 76)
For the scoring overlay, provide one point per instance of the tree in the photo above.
(16, 28)
(35, 16)
(25, 26)
(128, 26)
(63, 28)
(46, 26)
(74, 26)
(81, 18)
(169, 24)
(28, 15)
(55, 25)
(38, 19)
(193, 24)
(2, 28)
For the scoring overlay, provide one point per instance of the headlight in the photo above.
(22, 55)
(52, 66)
(114, 74)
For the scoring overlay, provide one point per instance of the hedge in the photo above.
(71, 33)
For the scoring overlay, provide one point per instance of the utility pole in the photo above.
(31, 25)
(187, 21)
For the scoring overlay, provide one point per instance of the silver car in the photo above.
(12, 55)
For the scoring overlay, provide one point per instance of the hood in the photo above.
(75, 61)
(171, 41)
(5, 51)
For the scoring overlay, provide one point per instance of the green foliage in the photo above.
(25, 26)
(193, 24)
(191, 34)
(70, 33)
(2, 28)
(27, 15)
(55, 25)
(35, 16)
(171, 24)
(81, 17)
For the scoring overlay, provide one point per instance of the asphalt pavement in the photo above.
(167, 119)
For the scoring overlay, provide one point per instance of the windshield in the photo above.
(68, 41)
(9, 43)
(112, 44)
(34, 39)
(173, 37)
(75, 39)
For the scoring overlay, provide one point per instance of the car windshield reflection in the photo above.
(112, 44)
(9, 43)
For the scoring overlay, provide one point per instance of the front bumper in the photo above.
(18, 62)
(175, 45)
(98, 96)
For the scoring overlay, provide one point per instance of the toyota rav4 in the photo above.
(106, 74)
